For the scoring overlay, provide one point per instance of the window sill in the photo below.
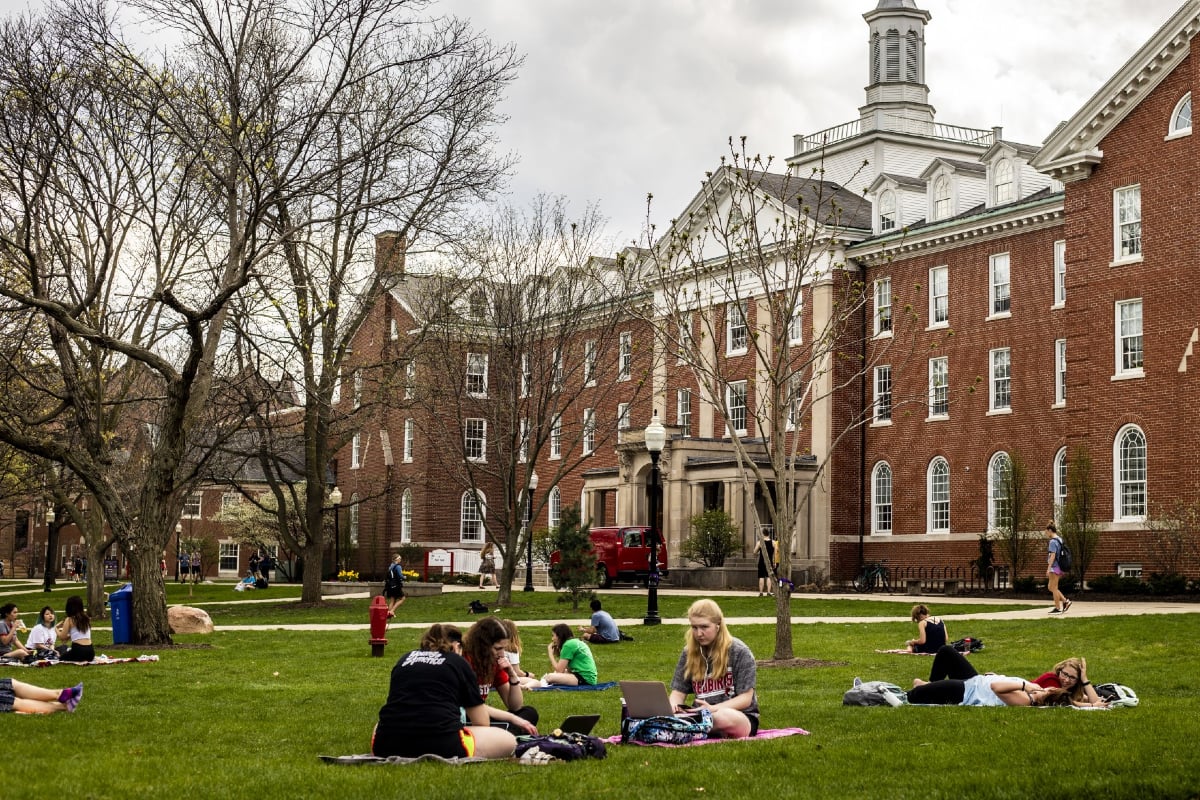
(938, 533)
(999, 412)
(938, 417)
(1120, 262)
(1058, 306)
(555, 458)
(1132, 375)
(740, 352)
(938, 326)
(1054, 406)
(1001, 315)
(883, 335)
(881, 423)
(1179, 134)
(406, 461)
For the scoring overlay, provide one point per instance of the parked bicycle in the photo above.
(874, 574)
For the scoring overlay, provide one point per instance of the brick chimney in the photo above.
(390, 248)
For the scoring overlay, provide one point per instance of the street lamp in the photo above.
(51, 543)
(178, 547)
(335, 497)
(656, 439)
(533, 483)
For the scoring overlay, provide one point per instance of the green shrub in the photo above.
(1027, 585)
(1167, 584)
(712, 540)
(1115, 584)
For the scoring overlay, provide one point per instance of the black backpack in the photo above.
(1065, 559)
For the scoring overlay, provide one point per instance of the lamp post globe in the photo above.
(656, 439)
(335, 497)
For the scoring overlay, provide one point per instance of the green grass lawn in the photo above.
(246, 713)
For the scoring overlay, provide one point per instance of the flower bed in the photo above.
(411, 588)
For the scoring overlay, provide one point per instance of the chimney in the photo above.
(390, 248)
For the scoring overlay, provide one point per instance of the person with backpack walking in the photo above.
(1055, 569)
(393, 587)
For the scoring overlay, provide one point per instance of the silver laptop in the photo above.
(646, 699)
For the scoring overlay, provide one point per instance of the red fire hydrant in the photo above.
(379, 617)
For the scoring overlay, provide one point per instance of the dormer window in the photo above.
(942, 206)
(1181, 118)
(1004, 182)
(887, 211)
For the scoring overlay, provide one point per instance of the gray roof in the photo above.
(885, 4)
(825, 196)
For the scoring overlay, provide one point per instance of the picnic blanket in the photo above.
(367, 758)
(98, 661)
(765, 733)
(903, 651)
(594, 688)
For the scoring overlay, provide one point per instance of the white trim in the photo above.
(1117, 484)
(875, 504)
(929, 528)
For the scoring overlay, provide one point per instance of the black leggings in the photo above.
(949, 663)
(946, 676)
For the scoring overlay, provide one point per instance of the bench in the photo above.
(950, 587)
(913, 586)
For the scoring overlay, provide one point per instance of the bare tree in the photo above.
(520, 350)
(753, 299)
(1014, 518)
(1077, 517)
(1174, 537)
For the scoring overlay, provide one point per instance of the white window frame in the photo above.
(475, 440)
(556, 381)
(1000, 380)
(358, 388)
(1127, 224)
(998, 501)
(356, 450)
(1005, 180)
(1059, 479)
(686, 340)
(937, 493)
(1181, 119)
(393, 329)
(888, 208)
(589, 362)
(477, 375)
(797, 387)
(683, 411)
(795, 327)
(737, 328)
(1128, 339)
(556, 438)
(939, 297)
(353, 514)
(193, 506)
(883, 307)
(881, 499)
(881, 413)
(406, 515)
(229, 558)
(622, 419)
(554, 508)
(230, 500)
(942, 198)
(1060, 273)
(735, 402)
(471, 511)
(939, 387)
(526, 375)
(999, 286)
(410, 435)
(1130, 475)
(1060, 373)
(523, 442)
(625, 356)
(589, 431)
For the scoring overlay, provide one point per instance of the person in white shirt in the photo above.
(43, 636)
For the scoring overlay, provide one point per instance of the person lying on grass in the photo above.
(25, 698)
(1069, 675)
(719, 670)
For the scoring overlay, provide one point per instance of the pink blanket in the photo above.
(766, 733)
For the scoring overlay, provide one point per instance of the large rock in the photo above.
(185, 619)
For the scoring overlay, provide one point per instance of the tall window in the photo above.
(526, 375)
(1004, 182)
(589, 430)
(406, 515)
(881, 499)
(797, 386)
(1001, 302)
(356, 451)
(475, 439)
(683, 411)
(1060, 272)
(230, 500)
(796, 320)
(941, 197)
(893, 55)
(409, 438)
(938, 481)
(737, 331)
(358, 388)
(939, 296)
(471, 517)
(999, 507)
(1181, 117)
(625, 357)
(883, 393)
(887, 211)
(1127, 223)
(228, 557)
(1130, 485)
(393, 329)
(1129, 337)
(911, 58)
(939, 386)
(622, 417)
(523, 442)
(355, 507)
(557, 380)
(336, 396)
(556, 438)
(735, 401)
(1060, 372)
(554, 508)
(589, 362)
(883, 306)
(191, 506)
(686, 342)
(1060, 479)
(477, 380)
(1001, 393)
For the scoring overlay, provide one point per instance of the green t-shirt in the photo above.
(579, 660)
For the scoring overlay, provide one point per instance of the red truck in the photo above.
(623, 554)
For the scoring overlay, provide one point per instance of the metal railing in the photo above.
(939, 130)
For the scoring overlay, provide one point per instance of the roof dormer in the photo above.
(896, 200)
(952, 187)
(1009, 176)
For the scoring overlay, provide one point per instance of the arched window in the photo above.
(1060, 479)
(1181, 117)
(911, 58)
(887, 210)
(999, 507)
(938, 492)
(941, 197)
(881, 499)
(893, 55)
(1004, 182)
(554, 508)
(1129, 461)
(875, 76)
(354, 509)
(471, 517)
(406, 512)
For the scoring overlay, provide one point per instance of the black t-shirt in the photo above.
(426, 693)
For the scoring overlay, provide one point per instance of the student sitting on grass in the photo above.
(719, 670)
(484, 647)
(430, 688)
(43, 637)
(931, 631)
(603, 629)
(571, 659)
(24, 698)
(77, 629)
(10, 624)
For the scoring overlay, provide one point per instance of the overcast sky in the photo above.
(620, 98)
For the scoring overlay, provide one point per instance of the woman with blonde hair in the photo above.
(1070, 674)
(719, 670)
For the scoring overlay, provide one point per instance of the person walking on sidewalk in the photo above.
(1053, 571)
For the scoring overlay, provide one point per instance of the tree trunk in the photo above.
(783, 623)
(95, 578)
(504, 582)
(313, 568)
(149, 615)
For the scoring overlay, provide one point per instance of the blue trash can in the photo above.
(120, 605)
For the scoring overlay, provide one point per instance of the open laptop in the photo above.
(647, 699)
(579, 723)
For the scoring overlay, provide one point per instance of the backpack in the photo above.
(1117, 695)
(1065, 559)
(562, 747)
(874, 693)
(667, 730)
(476, 607)
(968, 645)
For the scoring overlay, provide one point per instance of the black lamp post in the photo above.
(51, 544)
(533, 484)
(335, 497)
(656, 439)
(178, 547)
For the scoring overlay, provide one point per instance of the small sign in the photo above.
(111, 569)
(439, 558)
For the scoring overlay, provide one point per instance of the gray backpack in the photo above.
(874, 693)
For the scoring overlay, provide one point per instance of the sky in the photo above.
(618, 99)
